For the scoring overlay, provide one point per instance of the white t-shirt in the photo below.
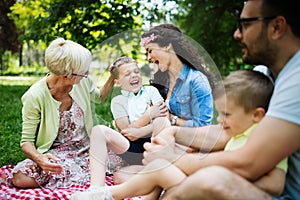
(134, 106)
(285, 101)
(285, 105)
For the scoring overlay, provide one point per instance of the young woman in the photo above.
(182, 78)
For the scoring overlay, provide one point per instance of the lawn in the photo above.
(10, 123)
(11, 90)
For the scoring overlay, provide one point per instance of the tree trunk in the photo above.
(21, 56)
(1, 61)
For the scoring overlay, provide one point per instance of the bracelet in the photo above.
(173, 120)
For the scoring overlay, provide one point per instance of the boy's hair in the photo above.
(118, 62)
(247, 88)
(64, 57)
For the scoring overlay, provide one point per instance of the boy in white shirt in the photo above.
(128, 76)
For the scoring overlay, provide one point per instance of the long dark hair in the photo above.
(166, 34)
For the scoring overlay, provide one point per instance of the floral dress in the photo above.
(71, 146)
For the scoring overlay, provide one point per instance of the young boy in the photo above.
(241, 106)
(131, 109)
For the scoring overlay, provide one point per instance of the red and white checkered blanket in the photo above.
(12, 193)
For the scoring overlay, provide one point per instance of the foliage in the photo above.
(90, 22)
(87, 22)
(212, 24)
(36, 70)
(8, 31)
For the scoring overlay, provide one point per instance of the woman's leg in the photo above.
(103, 138)
(21, 180)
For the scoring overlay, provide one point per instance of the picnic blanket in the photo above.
(12, 193)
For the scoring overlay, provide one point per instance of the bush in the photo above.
(37, 70)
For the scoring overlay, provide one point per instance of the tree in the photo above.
(87, 22)
(212, 23)
(8, 31)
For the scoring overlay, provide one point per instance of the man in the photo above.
(269, 34)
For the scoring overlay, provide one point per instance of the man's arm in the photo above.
(272, 182)
(272, 140)
(205, 138)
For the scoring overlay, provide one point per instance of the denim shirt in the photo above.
(191, 98)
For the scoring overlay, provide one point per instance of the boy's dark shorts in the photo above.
(134, 154)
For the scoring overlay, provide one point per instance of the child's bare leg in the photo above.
(103, 138)
(125, 173)
(159, 124)
(157, 173)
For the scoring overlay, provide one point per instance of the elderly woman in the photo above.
(57, 121)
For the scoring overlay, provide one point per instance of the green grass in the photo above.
(11, 123)
(11, 118)
(11, 91)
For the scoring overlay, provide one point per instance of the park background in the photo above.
(109, 28)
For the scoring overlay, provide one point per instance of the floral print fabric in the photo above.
(72, 148)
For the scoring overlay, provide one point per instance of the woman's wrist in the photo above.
(173, 120)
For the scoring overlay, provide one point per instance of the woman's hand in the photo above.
(49, 163)
(158, 110)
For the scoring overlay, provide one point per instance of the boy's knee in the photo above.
(98, 131)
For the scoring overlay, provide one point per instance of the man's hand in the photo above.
(160, 148)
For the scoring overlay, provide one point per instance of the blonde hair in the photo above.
(64, 57)
(247, 88)
(119, 62)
